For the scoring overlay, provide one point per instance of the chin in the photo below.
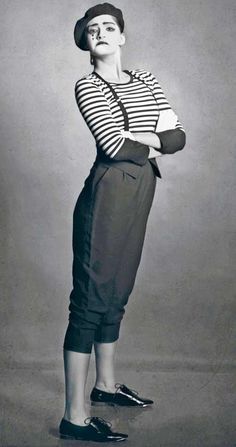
(103, 53)
(103, 47)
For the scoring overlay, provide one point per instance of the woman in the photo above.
(132, 123)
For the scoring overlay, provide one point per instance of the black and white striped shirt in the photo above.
(141, 96)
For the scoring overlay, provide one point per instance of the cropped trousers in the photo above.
(109, 224)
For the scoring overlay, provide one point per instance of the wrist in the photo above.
(130, 135)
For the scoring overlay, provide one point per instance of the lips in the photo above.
(100, 43)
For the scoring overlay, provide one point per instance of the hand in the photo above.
(127, 134)
(153, 153)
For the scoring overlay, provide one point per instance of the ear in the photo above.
(122, 39)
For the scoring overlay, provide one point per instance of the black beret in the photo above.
(97, 10)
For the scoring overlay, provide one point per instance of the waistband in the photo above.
(128, 167)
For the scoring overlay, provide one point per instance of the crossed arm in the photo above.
(115, 143)
(148, 138)
(169, 135)
(160, 143)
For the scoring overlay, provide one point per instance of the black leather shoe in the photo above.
(97, 429)
(123, 396)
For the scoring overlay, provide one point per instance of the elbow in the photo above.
(129, 150)
(180, 140)
(111, 151)
(172, 141)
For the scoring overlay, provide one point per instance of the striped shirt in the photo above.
(141, 96)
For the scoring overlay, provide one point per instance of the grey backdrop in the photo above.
(182, 309)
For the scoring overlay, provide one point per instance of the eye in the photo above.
(92, 30)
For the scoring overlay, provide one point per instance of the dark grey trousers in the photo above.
(109, 224)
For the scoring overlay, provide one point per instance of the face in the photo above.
(103, 28)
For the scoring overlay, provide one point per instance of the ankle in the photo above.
(105, 386)
(76, 418)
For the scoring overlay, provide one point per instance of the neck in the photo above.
(109, 67)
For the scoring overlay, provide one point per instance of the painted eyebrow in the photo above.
(104, 23)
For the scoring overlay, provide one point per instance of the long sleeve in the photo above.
(97, 114)
(169, 129)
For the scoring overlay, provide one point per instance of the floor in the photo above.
(193, 408)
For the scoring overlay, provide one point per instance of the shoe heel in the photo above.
(66, 436)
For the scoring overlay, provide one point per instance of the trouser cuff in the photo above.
(78, 340)
(107, 333)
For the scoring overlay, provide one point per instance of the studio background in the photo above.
(182, 309)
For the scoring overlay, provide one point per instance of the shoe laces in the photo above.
(119, 385)
(97, 418)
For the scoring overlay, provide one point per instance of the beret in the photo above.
(94, 11)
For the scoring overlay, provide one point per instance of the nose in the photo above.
(100, 33)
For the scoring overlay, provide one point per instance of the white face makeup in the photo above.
(103, 28)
